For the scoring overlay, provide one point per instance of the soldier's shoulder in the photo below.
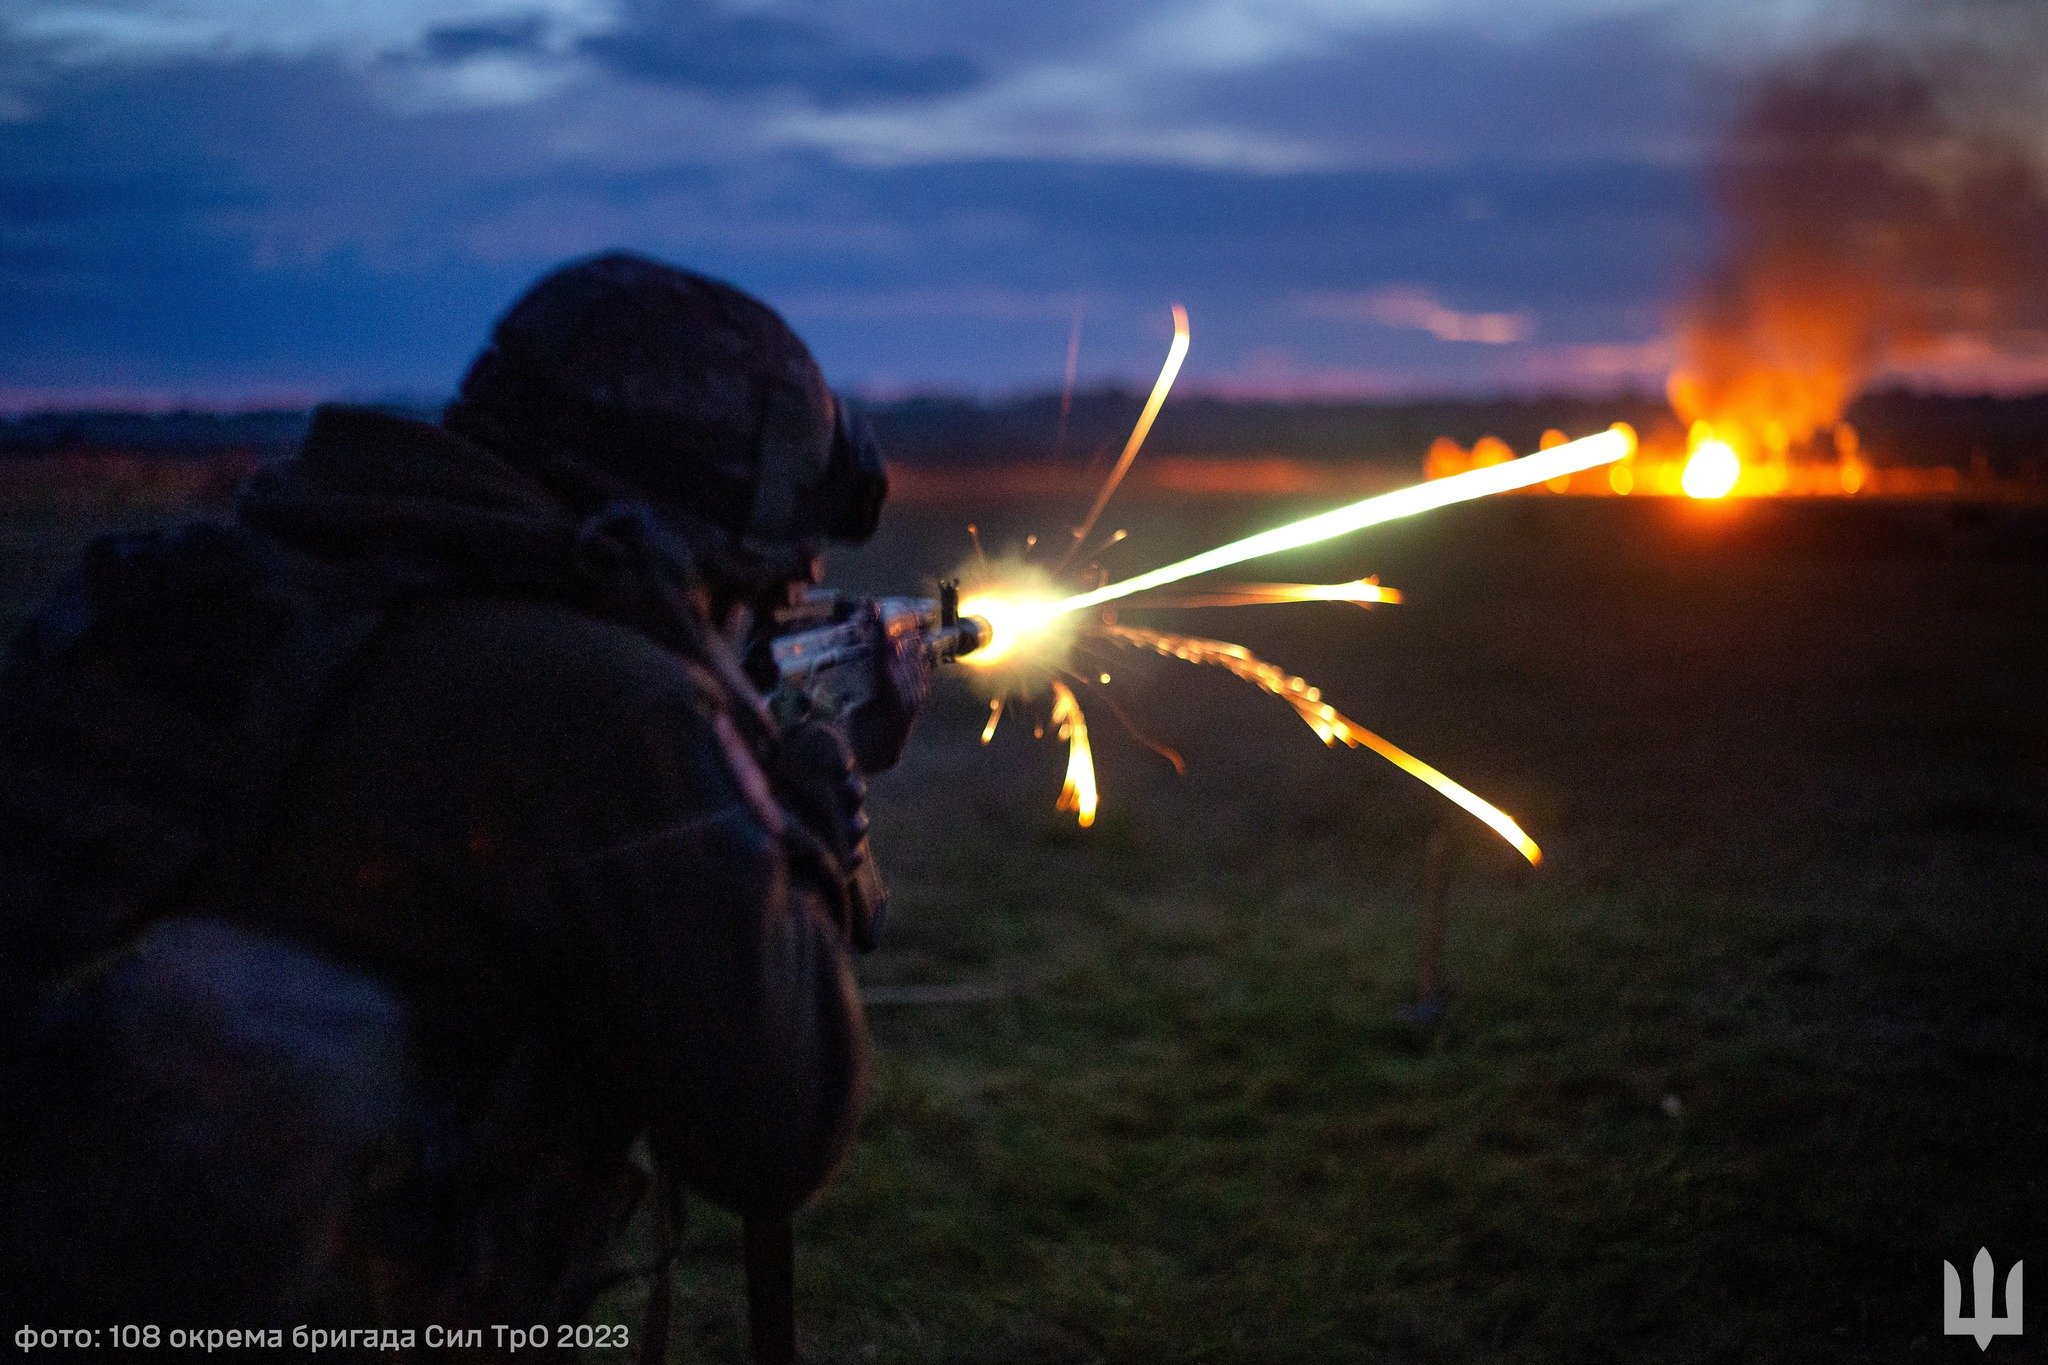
(520, 648)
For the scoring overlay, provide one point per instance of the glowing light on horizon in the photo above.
(1711, 471)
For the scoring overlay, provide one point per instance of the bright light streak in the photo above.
(1330, 726)
(1588, 452)
(1175, 354)
(1364, 591)
(995, 718)
(1078, 795)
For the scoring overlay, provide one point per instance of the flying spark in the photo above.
(1330, 725)
(1588, 452)
(1175, 354)
(1016, 617)
(1078, 795)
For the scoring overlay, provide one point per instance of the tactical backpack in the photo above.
(149, 717)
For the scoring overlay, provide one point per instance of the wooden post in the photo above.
(1436, 875)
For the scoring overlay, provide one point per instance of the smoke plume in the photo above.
(1884, 197)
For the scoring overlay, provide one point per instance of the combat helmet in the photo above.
(687, 391)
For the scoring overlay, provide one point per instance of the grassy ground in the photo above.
(1758, 1046)
(1726, 1079)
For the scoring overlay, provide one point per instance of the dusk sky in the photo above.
(234, 201)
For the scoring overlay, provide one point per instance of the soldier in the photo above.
(393, 859)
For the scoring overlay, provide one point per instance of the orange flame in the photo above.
(1330, 726)
(1078, 795)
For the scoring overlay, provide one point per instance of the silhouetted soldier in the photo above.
(380, 867)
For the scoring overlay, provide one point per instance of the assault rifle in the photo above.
(824, 647)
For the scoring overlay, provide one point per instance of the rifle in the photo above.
(824, 647)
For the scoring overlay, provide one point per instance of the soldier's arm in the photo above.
(730, 995)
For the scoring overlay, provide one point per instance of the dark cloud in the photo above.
(1586, 253)
(512, 34)
(1622, 88)
(257, 223)
(1007, 35)
(281, 222)
(686, 43)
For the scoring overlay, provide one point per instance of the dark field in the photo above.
(1727, 1078)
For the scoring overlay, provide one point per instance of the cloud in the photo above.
(1610, 88)
(1277, 372)
(341, 197)
(1019, 126)
(141, 31)
(1002, 304)
(213, 225)
(1594, 366)
(523, 34)
(1407, 306)
(1308, 85)
(703, 46)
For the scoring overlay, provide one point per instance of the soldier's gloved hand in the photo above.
(822, 786)
(903, 677)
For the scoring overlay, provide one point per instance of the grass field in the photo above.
(1758, 1046)
(1726, 1079)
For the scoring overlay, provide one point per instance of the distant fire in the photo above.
(1881, 195)
(1883, 209)
(1710, 461)
(1712, 469)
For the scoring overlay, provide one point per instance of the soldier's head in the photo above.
(619, 376)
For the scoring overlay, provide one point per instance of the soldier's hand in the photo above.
(903, 678)
(822, 786)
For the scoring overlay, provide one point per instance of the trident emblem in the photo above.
(1982, 1325)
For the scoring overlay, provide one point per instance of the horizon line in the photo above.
(22, 404)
